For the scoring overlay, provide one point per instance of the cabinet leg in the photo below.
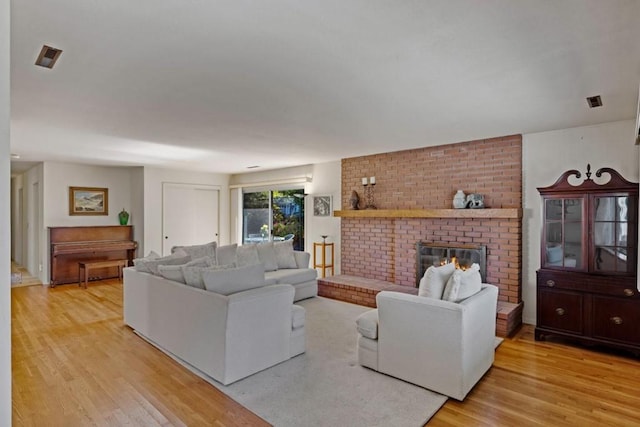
(538, 336)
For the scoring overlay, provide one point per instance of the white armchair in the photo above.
(443, 346)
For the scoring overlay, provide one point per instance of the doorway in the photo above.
(190, 215)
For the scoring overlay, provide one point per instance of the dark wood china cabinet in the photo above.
(587, 287)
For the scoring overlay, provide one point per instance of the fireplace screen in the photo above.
(428, 254)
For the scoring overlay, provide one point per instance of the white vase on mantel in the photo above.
(459, 200)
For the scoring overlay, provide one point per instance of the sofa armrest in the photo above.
(367, 324)
(302, 259)
(258, 330)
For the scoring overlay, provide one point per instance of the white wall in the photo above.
(545, 156)
(16, 219)
(153, 180)
(5, 226)
(136, 217)
(327, 179)
(56, 180)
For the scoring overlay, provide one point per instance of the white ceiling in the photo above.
(222, 85)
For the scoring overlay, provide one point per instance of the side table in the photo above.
(326, 262)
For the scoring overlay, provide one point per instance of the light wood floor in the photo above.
(76, 364)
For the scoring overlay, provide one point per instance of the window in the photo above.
(273, 215)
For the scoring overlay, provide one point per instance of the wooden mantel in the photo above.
(430, 213)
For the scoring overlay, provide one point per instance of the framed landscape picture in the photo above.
(321, 205)
(88, 201)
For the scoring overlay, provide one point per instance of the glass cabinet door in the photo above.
(613, 234)
(563, 233)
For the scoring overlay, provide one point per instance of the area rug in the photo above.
(326, 387)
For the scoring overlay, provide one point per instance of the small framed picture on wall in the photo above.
(322, 205)
(88, 201)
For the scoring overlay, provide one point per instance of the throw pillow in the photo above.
(198, 251)
(140, 263)
(267, 256)
(178, 258)
(463, 284)
(284, 254)
(434, 280)
(227, 254)
(230, 281)
(193, 275)
(174, 272)
(247, 255)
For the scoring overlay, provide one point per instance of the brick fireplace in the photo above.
(384, 248)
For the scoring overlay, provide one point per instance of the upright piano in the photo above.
(70, 245)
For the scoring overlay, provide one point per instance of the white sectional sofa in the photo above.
(226, 337)
(216, 308)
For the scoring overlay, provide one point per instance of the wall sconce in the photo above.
(368, 184)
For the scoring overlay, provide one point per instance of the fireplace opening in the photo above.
(428, 254)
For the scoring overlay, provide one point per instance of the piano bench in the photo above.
(84, 268)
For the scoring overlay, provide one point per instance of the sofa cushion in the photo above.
(140, 263)
(177, 258)
(463, 284)
(193, 274)
(292, 276)
(198, 251)
(247, 255)
(434, 280)
(226, 255)
(232, 280)
(367, 324)
(284, 254)
(297, 316)
(174, 272)
(267, 255)
(302, 259)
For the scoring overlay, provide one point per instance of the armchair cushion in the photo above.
(434, 281)
(463, 284)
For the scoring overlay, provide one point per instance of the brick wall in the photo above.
(384, 249)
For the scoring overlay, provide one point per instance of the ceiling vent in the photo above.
(48, 56)
(594, 101)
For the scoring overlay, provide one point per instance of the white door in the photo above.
(189, 215)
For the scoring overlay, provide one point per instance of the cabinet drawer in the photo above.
(560, 310)
(556, 281)
(625, 291)
(616, 319)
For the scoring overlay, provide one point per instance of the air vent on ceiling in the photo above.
(594, 101)
(48, 56)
